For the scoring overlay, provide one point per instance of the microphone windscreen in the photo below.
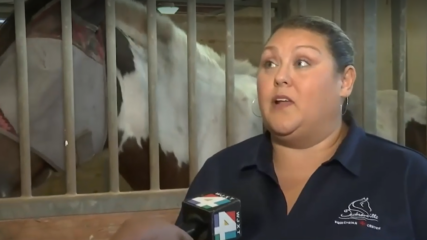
(212, 217)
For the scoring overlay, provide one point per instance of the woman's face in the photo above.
(298, 86)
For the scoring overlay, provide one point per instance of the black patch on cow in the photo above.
(125, 57)
(119, 97)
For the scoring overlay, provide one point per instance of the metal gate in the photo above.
(347, 13)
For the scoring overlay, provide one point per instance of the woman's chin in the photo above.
(284, 130)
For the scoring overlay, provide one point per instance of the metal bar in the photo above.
(68, 77)
(370, 67)
(336, 12)
(351, 11)
(229, 70)
(222, 10)
(345, 23)
(395, 36)
(283, 9)
(302, 7)
(152, 86)
(94, 203)
(113, 144)
(243, 3)
(398, 15)
(23, 99)
(266, 26)
(266, 20)
(192, 107)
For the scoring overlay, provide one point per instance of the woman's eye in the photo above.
(302, 63)
(270, 64)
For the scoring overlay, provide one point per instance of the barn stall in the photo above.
(92, 199)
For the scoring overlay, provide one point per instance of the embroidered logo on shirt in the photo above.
(359, 212)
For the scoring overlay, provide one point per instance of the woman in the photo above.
(312, 175)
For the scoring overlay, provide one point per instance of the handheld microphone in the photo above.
(212, 217)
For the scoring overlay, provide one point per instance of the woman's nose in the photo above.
(280, 81)
(282, 77)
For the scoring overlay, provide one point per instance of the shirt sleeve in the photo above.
(417, 195)
(205, 182)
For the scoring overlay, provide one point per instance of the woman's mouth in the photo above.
(282, 101)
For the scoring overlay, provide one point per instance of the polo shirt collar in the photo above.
(346, 153)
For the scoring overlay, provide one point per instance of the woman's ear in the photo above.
(348, 79)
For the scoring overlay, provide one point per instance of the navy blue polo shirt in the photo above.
(371, 189)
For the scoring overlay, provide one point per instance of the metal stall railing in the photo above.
(110, 35)
(229, 68)
(363, 32)
(370, 66)
(23, 98)
(302, 7)
(152, 100)
(68, 78)
(113, 201)
(364, 35)
(336, 11)
(345, 12)
(398, 29)
(191, 64)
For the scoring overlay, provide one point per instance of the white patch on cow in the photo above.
(172, 97)
(415, 109)
(132, 119)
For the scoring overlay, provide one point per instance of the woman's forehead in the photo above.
(295, 38)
